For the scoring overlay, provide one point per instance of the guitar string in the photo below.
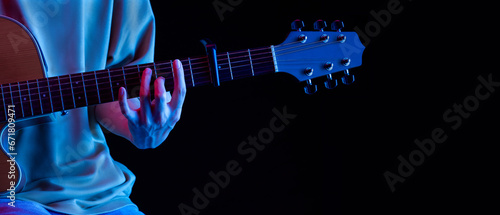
(42, 108)
(264, 48)
(160, 71)
(91, 87)
(30, 107)
(169, 63)
(120, 70)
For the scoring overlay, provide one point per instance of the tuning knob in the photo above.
(319, 25)
(310, 88)
(330, 83)
(347, 79)
(297, 25)
(337, 25)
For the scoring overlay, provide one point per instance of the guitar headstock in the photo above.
(310, 54)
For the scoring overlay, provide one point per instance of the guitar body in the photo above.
(20, 61)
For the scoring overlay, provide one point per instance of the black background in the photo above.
(332, 157)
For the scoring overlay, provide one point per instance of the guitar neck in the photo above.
(48, 95)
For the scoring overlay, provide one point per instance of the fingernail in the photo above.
(178, 62)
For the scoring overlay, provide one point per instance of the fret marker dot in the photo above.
(79, 97)
(44, 95)
(24, 99)
(77, 82)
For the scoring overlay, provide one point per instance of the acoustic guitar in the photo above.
(28, 96)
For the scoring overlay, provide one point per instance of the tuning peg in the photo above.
(297, 25)
(330, 82)
(337, 25)
(319, 25)
(347, 79)
(310, 88)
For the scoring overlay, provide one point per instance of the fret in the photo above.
(3, 107)
(39, 95)
(133, 81)
(24, 99)
(154, 70)
(45, 96)
(169, 76)
(125, 79)
(50, 95)
(104, 86)
(201, 71)
(16, 99)
(165, 70)
(97, 87)
(9, 100)
(263, 61)
(27, 101)
(172, 69)
(36, 107)
(72, 93)
(84, 91)
(90, 88)
(78, 90)
(60, 91)
(191, 71)
(167, 83)
(55, 93)
(224, 68)
(251, 64)
(111, 86)
(187, 75)
(11, 95)
(117, 81)
(139, 74)
(136, 90)
(229, 63)
(240, 64)
(66, 92)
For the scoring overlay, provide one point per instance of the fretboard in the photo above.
(48, 95)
